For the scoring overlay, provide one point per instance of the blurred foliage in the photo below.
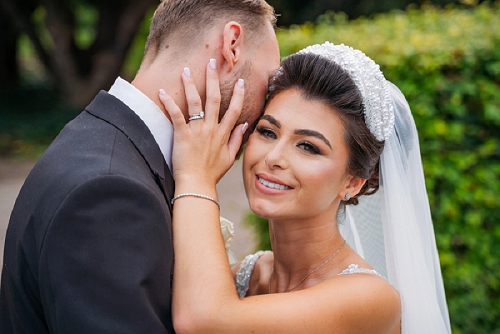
(301, 11)
(32, 114)
(447, 63)
(25, 131)
(134, 56)
(80, 45)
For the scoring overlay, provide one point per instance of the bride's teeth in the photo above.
(273, 185)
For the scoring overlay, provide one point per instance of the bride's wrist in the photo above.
(195, 184)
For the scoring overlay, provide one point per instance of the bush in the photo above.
(30, 119)
(447, 63)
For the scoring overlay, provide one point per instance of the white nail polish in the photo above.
(244, 127)
(187, 72)
(162, 92)
(212, 64)
(241, 83)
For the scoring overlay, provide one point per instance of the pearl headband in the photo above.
(377, 100)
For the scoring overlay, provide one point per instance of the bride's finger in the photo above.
(234, 111)
(235, 140)
(192, 97)
(178, 120)
(212, 103)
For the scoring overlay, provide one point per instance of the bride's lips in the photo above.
(269, 185)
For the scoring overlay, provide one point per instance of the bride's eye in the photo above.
(266, 132)
(308, 147)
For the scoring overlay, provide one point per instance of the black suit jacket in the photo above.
(89, 243)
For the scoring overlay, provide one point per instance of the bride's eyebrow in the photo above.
(302, 132)
(272, 120)
(312, 133)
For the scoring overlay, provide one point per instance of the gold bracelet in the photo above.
(195, 195)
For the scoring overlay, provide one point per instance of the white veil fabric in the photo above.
(393, 230)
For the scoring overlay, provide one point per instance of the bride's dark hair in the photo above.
(320, 79)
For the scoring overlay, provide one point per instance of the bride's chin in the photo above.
(265, 211)
(259, 210)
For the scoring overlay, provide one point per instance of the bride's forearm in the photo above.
(204, 149)
(205, 298)
(203, 281)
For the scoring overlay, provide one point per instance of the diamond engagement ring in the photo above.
(197, 116)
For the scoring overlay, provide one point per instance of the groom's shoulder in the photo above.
(95, 142)
(86, 148)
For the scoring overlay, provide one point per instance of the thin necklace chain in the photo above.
(312, 272)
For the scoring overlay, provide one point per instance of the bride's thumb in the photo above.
(236, 139)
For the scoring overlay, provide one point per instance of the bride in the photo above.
(333, 132)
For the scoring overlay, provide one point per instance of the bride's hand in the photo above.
(204, 149)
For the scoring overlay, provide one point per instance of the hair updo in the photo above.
(322, 80)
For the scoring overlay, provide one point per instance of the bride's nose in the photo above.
(277, 157)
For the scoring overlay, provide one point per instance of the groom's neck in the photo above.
(165, 72)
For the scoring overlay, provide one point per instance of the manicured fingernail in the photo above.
(212, 64)
(244, 127)
(241, 83)
(187, 72)
(162, 92)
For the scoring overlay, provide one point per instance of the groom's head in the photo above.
(239, 34)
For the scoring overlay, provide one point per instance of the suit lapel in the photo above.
(113, 111)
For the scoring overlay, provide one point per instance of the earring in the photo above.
(347, 197)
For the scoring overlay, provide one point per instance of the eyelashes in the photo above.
(303, 145)
(266, 132)
(306, 146)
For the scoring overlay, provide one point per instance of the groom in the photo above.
(89, 243)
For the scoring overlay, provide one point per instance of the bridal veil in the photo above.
(393, 230)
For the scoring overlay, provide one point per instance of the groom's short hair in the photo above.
(185, 20)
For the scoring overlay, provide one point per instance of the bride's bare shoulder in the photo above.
(369, 303)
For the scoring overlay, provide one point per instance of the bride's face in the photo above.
(295, 161)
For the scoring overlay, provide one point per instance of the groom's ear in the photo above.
(232, 44)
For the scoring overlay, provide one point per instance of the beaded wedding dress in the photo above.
(245, 270)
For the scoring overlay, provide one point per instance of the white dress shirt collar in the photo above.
(159, 125)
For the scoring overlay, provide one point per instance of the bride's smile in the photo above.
(267, 183)
(295, 161)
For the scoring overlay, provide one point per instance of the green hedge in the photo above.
(447, 63)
